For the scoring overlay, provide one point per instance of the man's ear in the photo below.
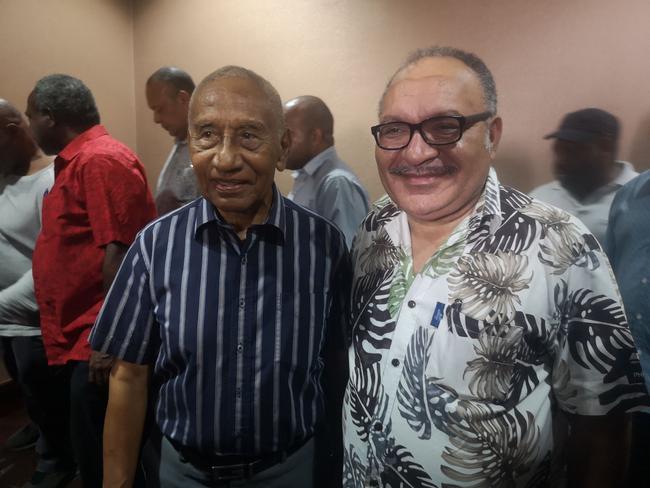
(183, 97)
(285, 144)
(51, 121)
(495, 129)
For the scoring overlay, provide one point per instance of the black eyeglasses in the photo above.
(436, 131)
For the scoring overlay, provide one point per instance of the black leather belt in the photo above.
(232, 467)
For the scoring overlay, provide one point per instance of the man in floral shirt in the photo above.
(485, 323)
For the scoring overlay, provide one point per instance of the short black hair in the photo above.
(67, 99)
(472, 61)
(174, 77)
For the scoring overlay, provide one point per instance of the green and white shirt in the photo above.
(456, 372)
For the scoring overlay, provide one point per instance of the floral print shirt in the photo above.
(457, 372)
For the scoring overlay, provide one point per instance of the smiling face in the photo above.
(236, 145)
(436, 183)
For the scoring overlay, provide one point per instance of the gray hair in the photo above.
(172, 76)
(472, 61)
(263, 84)
(67, 99)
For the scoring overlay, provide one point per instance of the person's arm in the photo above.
(125, 414)
(99, 364)
(18, 304)
(114, 254)
(597, 451)
(329, 444)
(344, 203)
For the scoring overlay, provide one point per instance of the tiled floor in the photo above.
(16, 468)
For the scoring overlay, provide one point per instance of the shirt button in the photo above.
(377, 427)
(411, 304)
(395, 362)
(240, 347)
(243, 259)
(638, 316)
(241, 303)
(238, 392)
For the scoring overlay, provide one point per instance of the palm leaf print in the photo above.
(563, 388)
(512, 200)
(444, 260)
(595, 329)
(401, 282)
(489, 284)
(490, 449)
(383, 211)
(492, 370)
(516, 234)
(371, 320)
(380, 255)
(353, 469)
(401, 470)
(412, 393)
(366, 398)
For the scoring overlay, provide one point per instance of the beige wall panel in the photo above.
(89, 39)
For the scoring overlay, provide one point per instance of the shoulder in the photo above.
(550, 188)
(518, 204)
(324, 230)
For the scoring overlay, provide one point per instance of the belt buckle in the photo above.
(232, 472)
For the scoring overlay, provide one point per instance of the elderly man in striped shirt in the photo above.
(237, 302)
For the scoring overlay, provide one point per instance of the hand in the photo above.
(99, 367)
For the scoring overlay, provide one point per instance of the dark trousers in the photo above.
(44, 390)
(87, 410)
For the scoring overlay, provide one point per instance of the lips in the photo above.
(229, 186)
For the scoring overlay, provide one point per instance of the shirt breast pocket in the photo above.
(475, 358)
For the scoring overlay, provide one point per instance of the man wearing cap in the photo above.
(588, 174)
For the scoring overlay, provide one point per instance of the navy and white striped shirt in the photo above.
(236, 328)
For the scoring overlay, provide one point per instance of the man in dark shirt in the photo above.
(99, 201)
(237, 299)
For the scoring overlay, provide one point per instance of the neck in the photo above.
(241, 221)
(38, 162)
(428, 236)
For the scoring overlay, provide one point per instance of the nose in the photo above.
(418, 151)
(226, 157)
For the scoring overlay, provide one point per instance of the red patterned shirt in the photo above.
(100, 195)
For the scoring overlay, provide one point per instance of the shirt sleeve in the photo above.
(126, 327)
(117, 200)
(344, 203)
(596, 369)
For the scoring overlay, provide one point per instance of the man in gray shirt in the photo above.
(26, 175)
(168, 95)
(322, 181)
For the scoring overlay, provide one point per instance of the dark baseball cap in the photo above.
(586, 125)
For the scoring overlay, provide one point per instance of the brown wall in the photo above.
(548, 58)
(89, 39)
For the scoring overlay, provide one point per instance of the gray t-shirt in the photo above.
(21, 202)
(176, 183)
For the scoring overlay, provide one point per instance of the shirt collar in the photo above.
(73, 148)
(488, 207)
(626, 174)
(316, 162)
(276, 219)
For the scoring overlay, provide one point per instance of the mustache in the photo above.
(427, 169)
